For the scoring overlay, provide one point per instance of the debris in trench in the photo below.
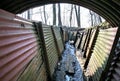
(68, 68)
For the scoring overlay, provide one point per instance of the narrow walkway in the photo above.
(68, 68)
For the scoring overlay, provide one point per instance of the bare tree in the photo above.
(71, 12)
(40, 12)
(54, 14)
(91, 17)
(45, 19)
(28, 16)
(59, 15)
(78, 16)
(95, 18)
(77, 11)
(100, 19)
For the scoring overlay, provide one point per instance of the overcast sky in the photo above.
(65, 13)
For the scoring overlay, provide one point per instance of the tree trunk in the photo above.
(28, 15)
(78, 16)
(59, 15)
(71, 12)
(100, 19)
(95, 18)
(44, 15)
(40, 9)
(54, 14)
(77, 11)
(91, 16)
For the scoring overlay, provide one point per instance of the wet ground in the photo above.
(68, 68)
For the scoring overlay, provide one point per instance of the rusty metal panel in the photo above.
(101, 53)
(58, 38)
(18, 45)
(51, 49)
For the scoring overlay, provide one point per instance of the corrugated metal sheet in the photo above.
(115, 76)
(113, 71)
(35, 70)
(17, 45)
(51, 49)
(58, 39)
(101, 53)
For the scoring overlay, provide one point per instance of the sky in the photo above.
(37, 14)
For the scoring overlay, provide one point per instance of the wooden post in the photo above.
(89, 52)
(81, 37)
(76, 38)
(87, 42)
(62, 35)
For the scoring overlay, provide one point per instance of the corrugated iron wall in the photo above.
(113, 66)
(58, 39)
(28, 52)
(35, 70)
(50, 47)
(101, 53)
(18, 45)
(113, 73)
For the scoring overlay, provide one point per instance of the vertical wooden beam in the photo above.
(87, 42)
(62, 37)
(76, 38)
(89, 52)
(81, 37)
